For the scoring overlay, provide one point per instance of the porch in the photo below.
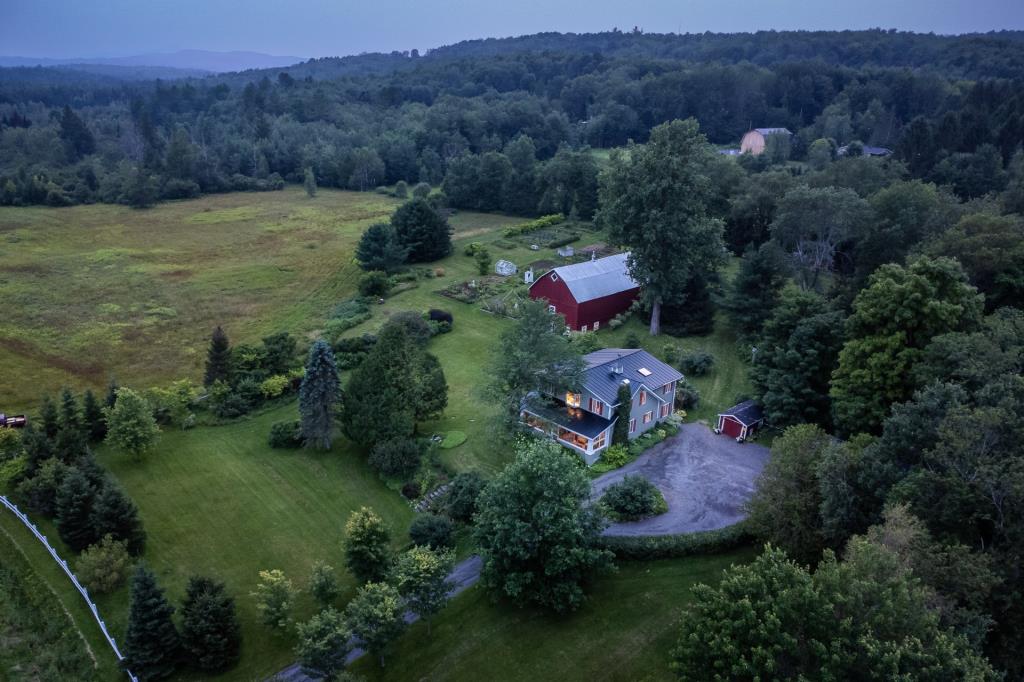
(579, 430)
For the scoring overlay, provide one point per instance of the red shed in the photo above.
(588, 294)
(741, 421)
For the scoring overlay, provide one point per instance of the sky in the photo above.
(320, 28)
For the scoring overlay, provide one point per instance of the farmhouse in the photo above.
(755, 141)
(587, 294)
(741, 421)
(583, 420)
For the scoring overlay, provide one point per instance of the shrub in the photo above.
(697, 363)
(225, 403)
(616, 456)
(348, 353)
(401, 189)
(104, 566)
(645, 548)
(687, 397)
(568, 239)
(11, 470)
(287, 434)
(632, 340)
(472, 248)
(416, 328)
(534, 225)
(397, 457)
(374, 283)
(411, 490)
(632, 499)
(431, 530)
(421, 190)
(10, 444)
(462, 493)
(671, 353)
(249, 389)
(274, 386)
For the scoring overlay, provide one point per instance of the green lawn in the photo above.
(218, 501)
(625, 632)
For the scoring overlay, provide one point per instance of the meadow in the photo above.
(103, 290)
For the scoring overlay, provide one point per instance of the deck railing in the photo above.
(74, 579)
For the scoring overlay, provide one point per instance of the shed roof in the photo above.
(601, 379)
(773, 131)
(597, 278)
(747, 413)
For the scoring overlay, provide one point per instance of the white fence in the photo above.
(74, 579)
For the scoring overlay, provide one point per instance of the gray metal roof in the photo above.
(597, 278)
(773, 131)
(602, 379)
(748, 412)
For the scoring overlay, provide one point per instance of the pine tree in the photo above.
(49, 418)
(95, 421)
(755, 289)
(378, 404)
(318, 396)
(210, 632)
(78, 139)
(70, 443)
(620, 434)
(114, 512)
(218, 358)
(38, 449)
(152, 646)
(111, 397)
(379, 249)
(423, 231)
(433, 388)
(75, 499)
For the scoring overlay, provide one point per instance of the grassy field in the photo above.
(625, 632)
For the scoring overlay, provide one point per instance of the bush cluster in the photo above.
(697, 363)
(632, 499)
(432, 530)
(285, 434)
(534, 225)
(673, 546)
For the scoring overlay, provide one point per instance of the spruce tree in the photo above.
(218, 358)
(318, 396)
(75, 499)
(210, 632)
(620, 434)
(111, 397)
(379, 403)
(379, 249)
(49, 417)
(423, 231)
(92, 414)
(755, 289)
(114, 513)
(38, 448)
(70, 443)
(433, 388)
(152, 646)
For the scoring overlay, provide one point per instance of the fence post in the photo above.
(74, 579)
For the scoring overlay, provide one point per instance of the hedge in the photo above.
(534, 225)
(648, 547)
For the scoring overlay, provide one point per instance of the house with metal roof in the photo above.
(741, 421)
(583, 420)
(756, 141)
(588, 294)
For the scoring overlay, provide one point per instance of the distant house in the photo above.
(505, 268)
(741, 421)
(587, 294)
(866, 150)
(583, 421)
(755, 141)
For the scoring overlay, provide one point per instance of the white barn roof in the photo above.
(597, 278)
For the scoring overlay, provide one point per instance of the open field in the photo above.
(624, 632)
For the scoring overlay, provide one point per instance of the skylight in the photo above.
(644, 371)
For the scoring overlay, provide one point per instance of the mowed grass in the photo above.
(90, 291)
(624, 632)
(218, 501)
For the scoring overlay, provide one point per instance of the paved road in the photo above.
(704, 477)
(465, 574)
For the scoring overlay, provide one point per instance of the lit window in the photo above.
(643, 397)
(599, 441)
(572, 399)
(648, 416)
(596, 406)
(632, 425)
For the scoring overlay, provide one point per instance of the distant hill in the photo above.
(196, 62)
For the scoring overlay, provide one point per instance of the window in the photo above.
(597, 325)
(551, 309)
(644, 372)
(648, 416)
(665, 409)
(632, 425)
(600, 441)
(667, 388)
(583, 328)
(596, 406)
(572, 399)
(554, 276)
(643, 397)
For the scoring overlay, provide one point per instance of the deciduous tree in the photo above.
(274, 597)
(324, 644)
(367, 546)
(421, 576)
(375, 616)
(130, 423)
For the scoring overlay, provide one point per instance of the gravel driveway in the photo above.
(705, 480)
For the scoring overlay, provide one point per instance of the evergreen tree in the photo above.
(210, 632)
(111, 396)
(423, 231)
(218, 358)
(152, 647)
(620, 434)
(379, 249)
(49, 417)
(75, 499)
(279, 350)
(140, 191)
(92, 414)
(367, 546)
(433, 388)
(379, 402)
(78, 139)
(70, 443)
(755, 289)
(319, 396)
(114, 513)
(309, 182)
(38, 448)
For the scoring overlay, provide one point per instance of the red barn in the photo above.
(588, 294)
